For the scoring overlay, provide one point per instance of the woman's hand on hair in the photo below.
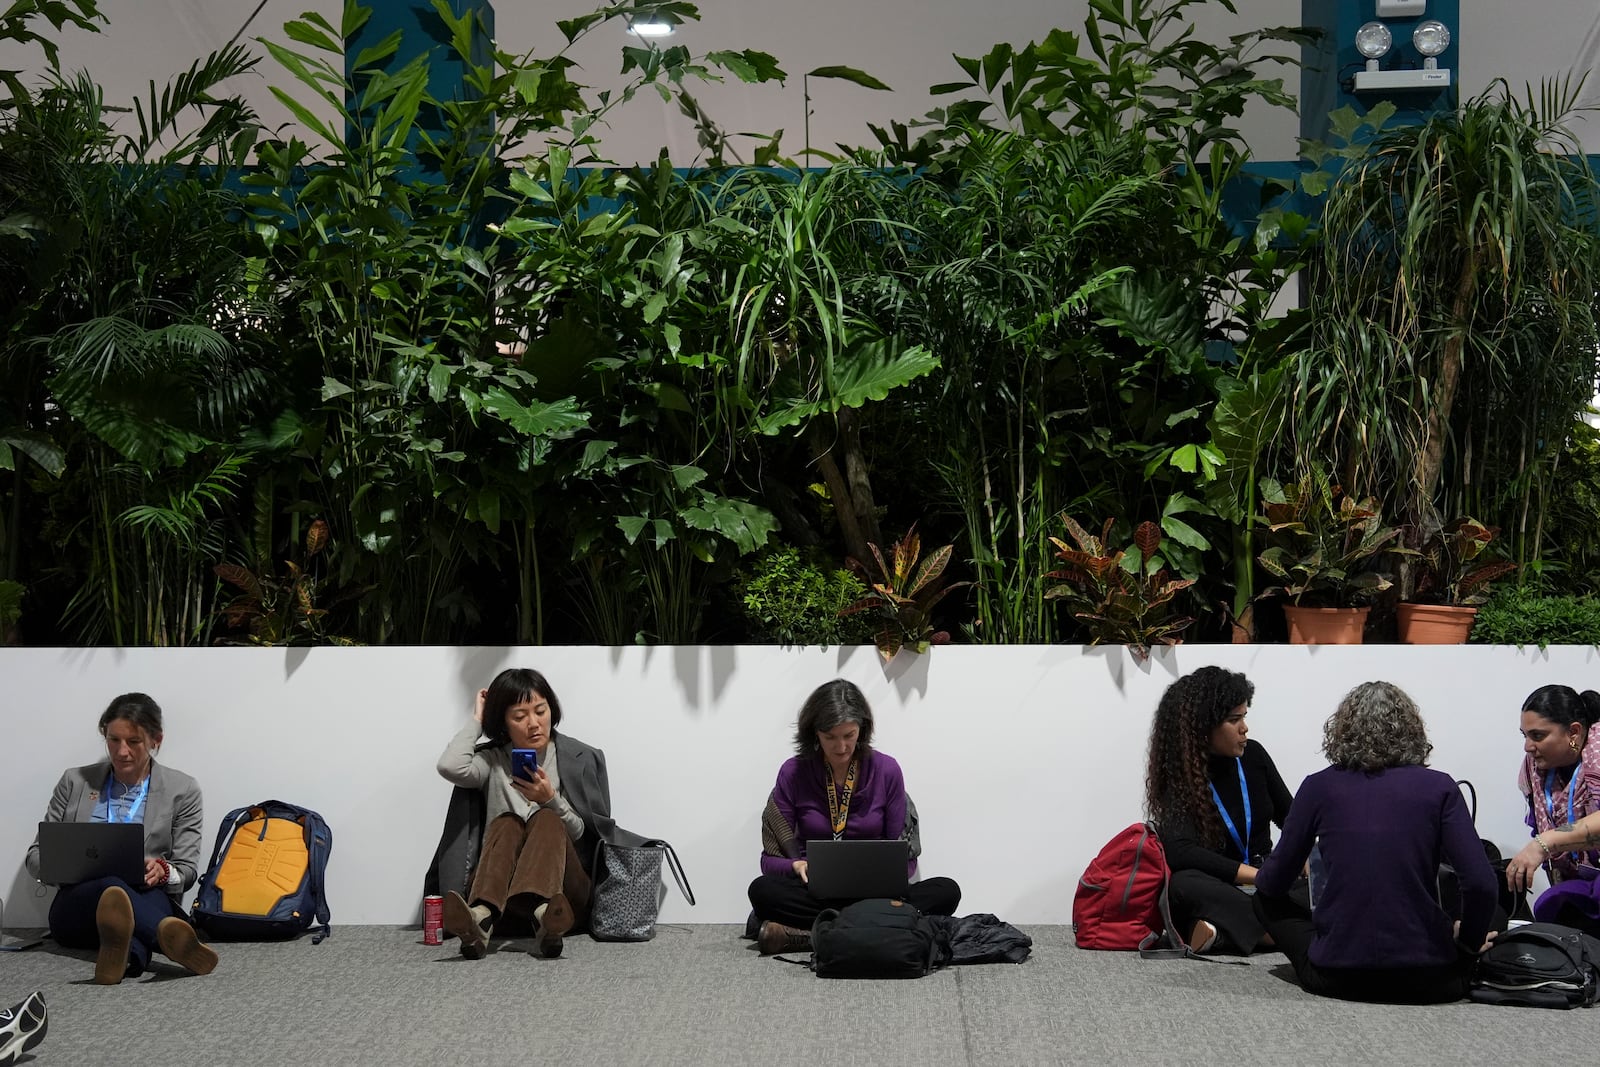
(477, 708)
(539, 791)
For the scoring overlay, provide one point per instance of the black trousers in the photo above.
(1294, 931)
(72, 917)
(1195, 895)
(786, 899)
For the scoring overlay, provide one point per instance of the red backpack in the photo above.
(1119, 902)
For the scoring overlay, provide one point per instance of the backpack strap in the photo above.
(225, 832)
(311, 824)
(1169, 943)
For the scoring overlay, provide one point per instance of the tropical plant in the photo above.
(1447, 567)
(1120, 598)
(411, 267)
(280, 610)
(788, 597)
(1453, 331)
(1325, 547)
(902, 597)
(11, 594)
(1528, 615)
(126, 357)
(1082, 286)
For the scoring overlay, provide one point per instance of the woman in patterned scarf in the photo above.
(836, 785)
(1560, 776)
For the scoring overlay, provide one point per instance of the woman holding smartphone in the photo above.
(128, 921)
(835, 786)
(543, 794)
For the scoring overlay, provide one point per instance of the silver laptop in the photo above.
(78, 851)
(856, 870)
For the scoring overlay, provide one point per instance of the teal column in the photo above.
(424, 33)
(1327, 80)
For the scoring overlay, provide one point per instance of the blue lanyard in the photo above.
(1549, 794)
(1227, 820)
(111, 812)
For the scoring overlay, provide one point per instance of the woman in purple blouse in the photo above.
(1382, 822)
(835, 786)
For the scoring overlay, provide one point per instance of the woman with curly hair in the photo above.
(1213, 795)
(1382, 822)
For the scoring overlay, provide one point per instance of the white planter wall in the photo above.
(1022, 760)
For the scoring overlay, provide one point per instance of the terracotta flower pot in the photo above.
(1434, 624)
(1325, 626)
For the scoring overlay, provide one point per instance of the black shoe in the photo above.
(22, 1027)
(776, 937)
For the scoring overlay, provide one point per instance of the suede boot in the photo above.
(460, 921)
(180, 944)
(554, 924)
(114, 918)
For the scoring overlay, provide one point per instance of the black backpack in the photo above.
(1540, 965)
(873, 939)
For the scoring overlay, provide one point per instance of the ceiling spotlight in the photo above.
(1431, 38)
(1373, 40)
(650, 28)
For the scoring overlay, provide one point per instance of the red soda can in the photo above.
(433, 920)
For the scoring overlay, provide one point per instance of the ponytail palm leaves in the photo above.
(1454, 332)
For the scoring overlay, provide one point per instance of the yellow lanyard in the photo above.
(839, 808)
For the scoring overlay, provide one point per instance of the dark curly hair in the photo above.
(1175, 783)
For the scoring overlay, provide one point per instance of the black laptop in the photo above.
(856, 870)
(79, 851)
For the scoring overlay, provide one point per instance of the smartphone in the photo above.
(524, 762)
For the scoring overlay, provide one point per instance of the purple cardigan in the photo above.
(1383, 836)
(877, 806)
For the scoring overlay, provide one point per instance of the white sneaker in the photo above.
(22, 1027)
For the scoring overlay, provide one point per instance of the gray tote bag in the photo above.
(629, 889)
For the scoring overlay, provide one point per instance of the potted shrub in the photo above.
(1323, 548)
(1449, 582)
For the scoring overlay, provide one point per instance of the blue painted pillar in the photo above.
(1327, 81)
(423, 32)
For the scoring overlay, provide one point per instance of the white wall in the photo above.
(1022, 760)
(905, 43)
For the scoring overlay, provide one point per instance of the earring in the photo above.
(1572, 743)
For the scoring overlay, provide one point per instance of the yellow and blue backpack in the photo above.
(265, 878)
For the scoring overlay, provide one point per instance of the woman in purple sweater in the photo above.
(835, 786)
(1382, 823)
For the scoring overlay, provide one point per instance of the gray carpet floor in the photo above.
(699, 994)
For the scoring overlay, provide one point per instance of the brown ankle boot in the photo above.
(558, 919)
(776, 937)
(459, 920)
(114, 918)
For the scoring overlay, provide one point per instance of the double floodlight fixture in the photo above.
(1374, 40)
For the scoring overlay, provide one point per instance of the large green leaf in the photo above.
(739, 521)
(849, 74)
(867, 372)
(558, 419)
(39, 447)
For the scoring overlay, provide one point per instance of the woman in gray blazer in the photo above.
(127, 922)
(542, 822)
